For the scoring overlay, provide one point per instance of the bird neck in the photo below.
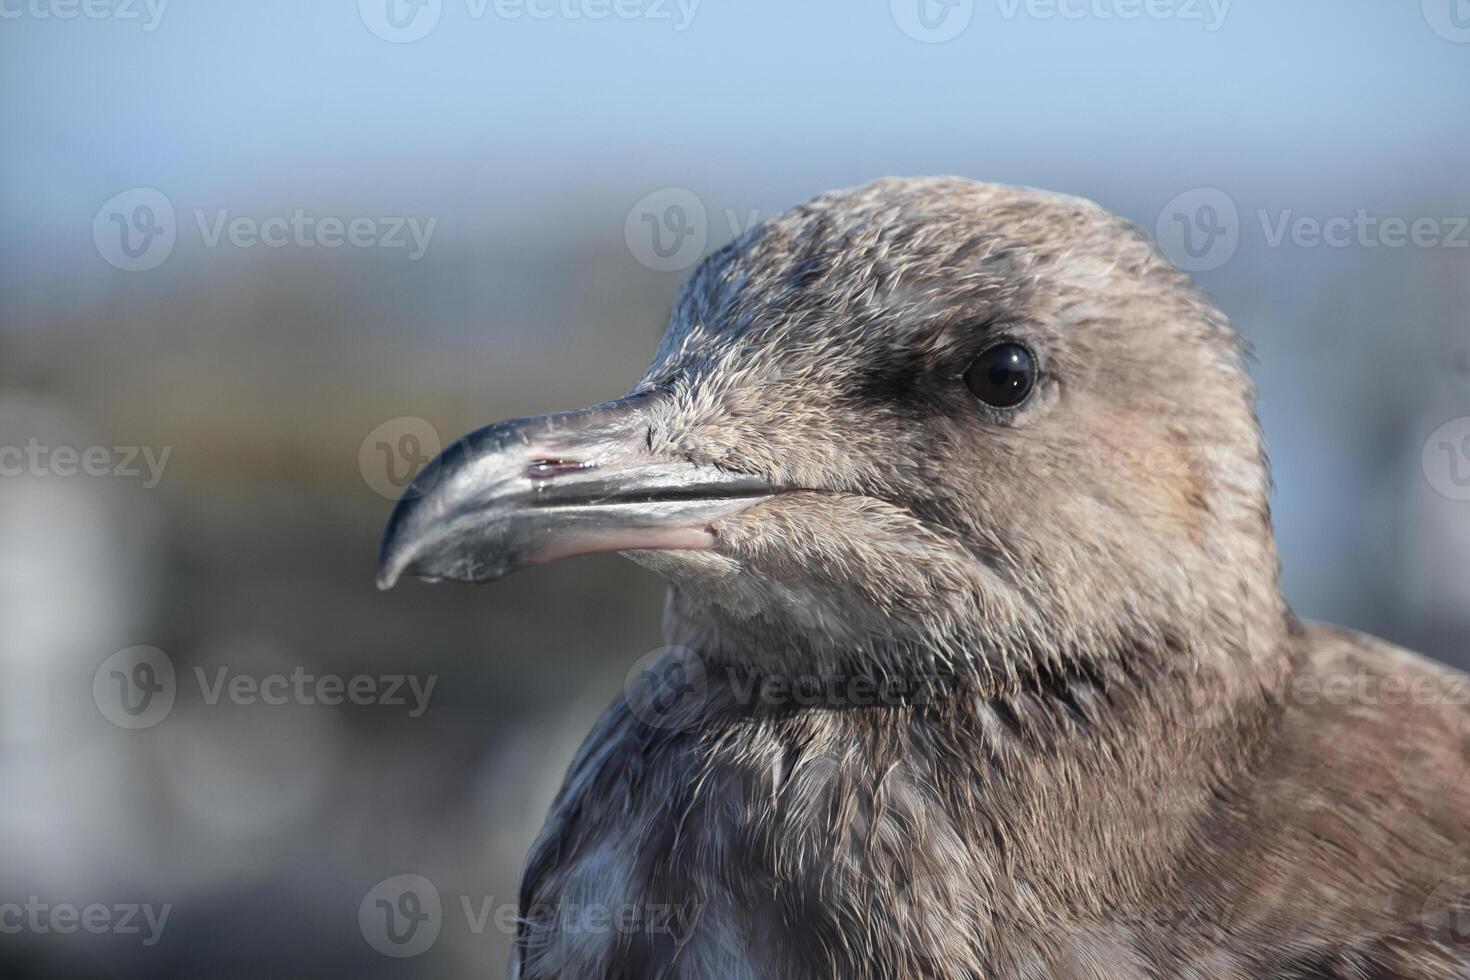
(1126, 756)
(1201, 687)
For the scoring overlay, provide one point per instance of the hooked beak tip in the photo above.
(526, 491)
(396, 551)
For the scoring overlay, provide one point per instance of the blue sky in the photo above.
(768, 101)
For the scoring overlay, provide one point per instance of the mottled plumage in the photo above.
(1056, 720)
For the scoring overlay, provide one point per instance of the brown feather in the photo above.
(1061, 723)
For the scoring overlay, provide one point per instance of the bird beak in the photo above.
(534, 490)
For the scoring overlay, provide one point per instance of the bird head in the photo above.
(921, 421)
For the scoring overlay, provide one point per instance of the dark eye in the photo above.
(1002, 376)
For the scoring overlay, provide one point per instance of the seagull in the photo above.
(978, 665)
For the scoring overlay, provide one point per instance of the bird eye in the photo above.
(1002, 376)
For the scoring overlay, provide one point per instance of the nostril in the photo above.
(545, 469)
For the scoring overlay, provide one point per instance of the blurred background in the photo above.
(258, 260)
